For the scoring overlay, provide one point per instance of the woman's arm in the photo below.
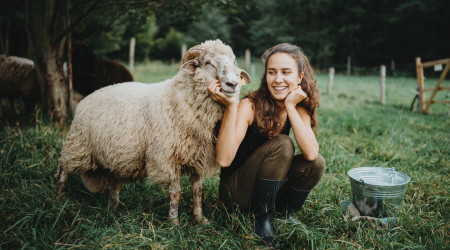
(237, 118)
(301, 125)
(235, 123)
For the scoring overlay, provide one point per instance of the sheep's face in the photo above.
(224, 69)
(218, 62)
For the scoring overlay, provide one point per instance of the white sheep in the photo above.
(124, 132)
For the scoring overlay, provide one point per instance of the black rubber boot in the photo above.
(264, 199)
(291, 202)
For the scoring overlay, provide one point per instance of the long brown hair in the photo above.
(266, 109)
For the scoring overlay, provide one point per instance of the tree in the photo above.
(48, 24)
(212, 25)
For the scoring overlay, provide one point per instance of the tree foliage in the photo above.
(371, 32)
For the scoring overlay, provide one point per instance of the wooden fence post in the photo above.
(383, 83)
(247, 59)
(349, 65)
(420, 85)
(330, 79)
(132, 46)
(183, 50)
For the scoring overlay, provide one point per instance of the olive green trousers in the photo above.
(274, 160)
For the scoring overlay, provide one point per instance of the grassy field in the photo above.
(355, 130)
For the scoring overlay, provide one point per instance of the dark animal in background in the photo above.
(90, 73)
(18, 80)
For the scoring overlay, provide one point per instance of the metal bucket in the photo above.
(377, 191)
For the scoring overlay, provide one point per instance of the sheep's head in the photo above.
(219, 62)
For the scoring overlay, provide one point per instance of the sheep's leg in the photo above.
(114, 188)
(16, 110)
(196, 185)
(174, 195)
(61, 178)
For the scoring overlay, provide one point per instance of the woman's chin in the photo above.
(279, 98)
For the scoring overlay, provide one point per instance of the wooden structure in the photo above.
(330, 79)
(382, 84)
(247, 59)
(423, 105)
(132, 48)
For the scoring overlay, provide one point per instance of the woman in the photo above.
(253, 147)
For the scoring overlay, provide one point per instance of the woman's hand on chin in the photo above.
(215, 91)
(295, 96)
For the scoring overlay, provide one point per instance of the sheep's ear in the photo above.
(245, 77)
(190, 66)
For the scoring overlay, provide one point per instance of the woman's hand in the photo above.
(217, 95)
(295, 96)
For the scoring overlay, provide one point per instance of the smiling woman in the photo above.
(292, 64)
(253, 146)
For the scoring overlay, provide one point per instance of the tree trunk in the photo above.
(4, 38)
(53, 86)
(48, 57)
(57, 94)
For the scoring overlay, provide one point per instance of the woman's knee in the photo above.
(278, 156)
(283, 145)
(319, 166)
(304, 175)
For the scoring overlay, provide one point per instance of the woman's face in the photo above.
(282, 75)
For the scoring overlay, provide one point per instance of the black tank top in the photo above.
(252, 140)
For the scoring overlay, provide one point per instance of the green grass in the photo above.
(355, 130)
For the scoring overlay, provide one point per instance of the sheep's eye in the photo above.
(210, 64)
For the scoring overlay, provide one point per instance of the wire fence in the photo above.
(404, 69)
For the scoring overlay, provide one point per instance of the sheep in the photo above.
(18, 80)
(124, 132)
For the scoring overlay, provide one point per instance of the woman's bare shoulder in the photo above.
(246, 110)
(246, 102)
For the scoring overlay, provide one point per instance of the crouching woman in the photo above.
(259, 167)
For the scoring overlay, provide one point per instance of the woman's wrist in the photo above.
(231, 106)
(290, 106)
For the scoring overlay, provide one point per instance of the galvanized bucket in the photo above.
(378, 191)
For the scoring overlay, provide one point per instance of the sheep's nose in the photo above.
(231, 85)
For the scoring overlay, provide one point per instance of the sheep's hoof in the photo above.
(114, 201)
(202, 220)
(60, 186)
(175, 221)
(114, 205)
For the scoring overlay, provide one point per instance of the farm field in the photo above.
(355, 130)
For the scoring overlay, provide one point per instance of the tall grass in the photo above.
(355, 130)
